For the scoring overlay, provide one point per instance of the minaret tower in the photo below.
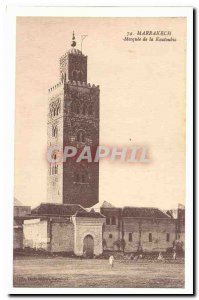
(73, 120)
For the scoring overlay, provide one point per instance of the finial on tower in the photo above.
(73, 44)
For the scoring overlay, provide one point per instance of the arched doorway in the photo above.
(88, 248)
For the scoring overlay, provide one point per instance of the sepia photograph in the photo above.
(100, 139)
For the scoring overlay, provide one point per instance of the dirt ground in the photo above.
(65, 272)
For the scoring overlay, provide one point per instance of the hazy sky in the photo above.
(142, 102)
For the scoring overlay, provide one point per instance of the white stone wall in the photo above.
(35, 234)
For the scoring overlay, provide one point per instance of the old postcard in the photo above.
(101, 117)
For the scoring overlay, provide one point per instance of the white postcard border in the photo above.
(9, 121)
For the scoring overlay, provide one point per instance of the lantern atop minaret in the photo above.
(73, 44)
(73, 64)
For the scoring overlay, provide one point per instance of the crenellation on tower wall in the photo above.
(56, 87)
(83, 84)
(73, 83)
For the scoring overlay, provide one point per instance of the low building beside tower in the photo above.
(134, 229)
(70, 228)
(20, 211)
(65, 228)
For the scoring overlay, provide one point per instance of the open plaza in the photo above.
(73, 272)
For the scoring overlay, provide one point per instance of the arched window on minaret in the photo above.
(74, 75)
(83, 178)
(54, 130)
(77, 177)
(84, 109)
(56, 169)
(81, 136)
(77, 109)
(74, 107)
(90, 110)
(80, 75)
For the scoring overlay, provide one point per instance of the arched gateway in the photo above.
(88, 245)
(88, 233)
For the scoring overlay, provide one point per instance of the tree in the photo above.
(104, 245)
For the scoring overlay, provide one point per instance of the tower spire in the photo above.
(73, 44)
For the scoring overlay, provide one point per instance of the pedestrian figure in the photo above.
(174, 255)
(160, 257)
(111, 261)
(132, 256)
